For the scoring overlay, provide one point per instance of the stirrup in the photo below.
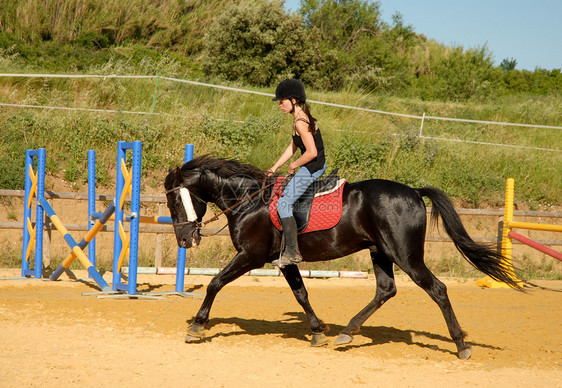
(285, 259)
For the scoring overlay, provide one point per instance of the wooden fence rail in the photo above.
(160, 229)
(162, 199)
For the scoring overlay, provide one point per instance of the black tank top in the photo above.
(318, 162)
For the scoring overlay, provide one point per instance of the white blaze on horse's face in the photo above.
(188, 205)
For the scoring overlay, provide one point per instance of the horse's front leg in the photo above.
(239, 265)
(294, 278)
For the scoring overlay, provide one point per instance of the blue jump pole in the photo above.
(39, 192)
(117, 244)
(91, 202)
(122, 147)
(135, 212)
(26, 213)
(180, 272)
(39, 216)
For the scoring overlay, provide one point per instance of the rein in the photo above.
(217, 215)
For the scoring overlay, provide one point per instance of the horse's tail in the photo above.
(480, 256)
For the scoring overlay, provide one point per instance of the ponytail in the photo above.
(311, 120)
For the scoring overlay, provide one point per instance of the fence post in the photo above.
(421, 125)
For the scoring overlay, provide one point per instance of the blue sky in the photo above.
(528, 31)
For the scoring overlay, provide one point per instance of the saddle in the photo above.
(318, 208)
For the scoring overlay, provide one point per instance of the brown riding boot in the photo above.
(291, 254)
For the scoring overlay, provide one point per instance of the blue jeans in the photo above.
(295, 189)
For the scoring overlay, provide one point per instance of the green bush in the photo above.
(460, 75)
(15, 137)
(95, 40)
(358, 159)
(255, 42)
(235, 139)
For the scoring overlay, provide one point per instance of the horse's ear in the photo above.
(178, 177)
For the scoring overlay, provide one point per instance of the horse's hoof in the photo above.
(465, 353)
(318, 340)
(195, 333)
(343, 339)
(189, 339)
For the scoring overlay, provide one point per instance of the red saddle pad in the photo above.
(325, 212)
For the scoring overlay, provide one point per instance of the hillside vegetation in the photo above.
(377, 66)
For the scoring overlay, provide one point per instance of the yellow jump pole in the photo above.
(85, 241)
(535, 226)
(73, 245)
(31, 244)
(506, 249)
(507, 218)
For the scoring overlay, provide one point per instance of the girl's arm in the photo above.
(287, 154)
(308, 141)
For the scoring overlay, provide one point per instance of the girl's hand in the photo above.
(292, 168)
(270, 172)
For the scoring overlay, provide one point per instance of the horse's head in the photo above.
(186, 208)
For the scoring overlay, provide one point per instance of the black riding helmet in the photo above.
(290, 88)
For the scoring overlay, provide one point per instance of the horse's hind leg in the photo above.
(423, 277)
(294, 278)
(386, 289)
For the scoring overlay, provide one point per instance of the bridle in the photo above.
(200, 225)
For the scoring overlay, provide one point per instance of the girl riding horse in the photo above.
(311, 164)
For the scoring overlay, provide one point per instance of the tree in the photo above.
(508, 64)
(341, 22)
(258, 43)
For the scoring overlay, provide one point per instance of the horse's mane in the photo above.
(224, 168)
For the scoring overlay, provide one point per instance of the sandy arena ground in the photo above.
(53, 336)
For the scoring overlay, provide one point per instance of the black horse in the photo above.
(386, 217)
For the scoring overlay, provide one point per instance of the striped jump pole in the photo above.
(94, 226)
(73, 245)
(85, 241)
(142, 219)
(33, 237)
(128, 182)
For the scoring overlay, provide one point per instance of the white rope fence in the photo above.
(239, 90)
